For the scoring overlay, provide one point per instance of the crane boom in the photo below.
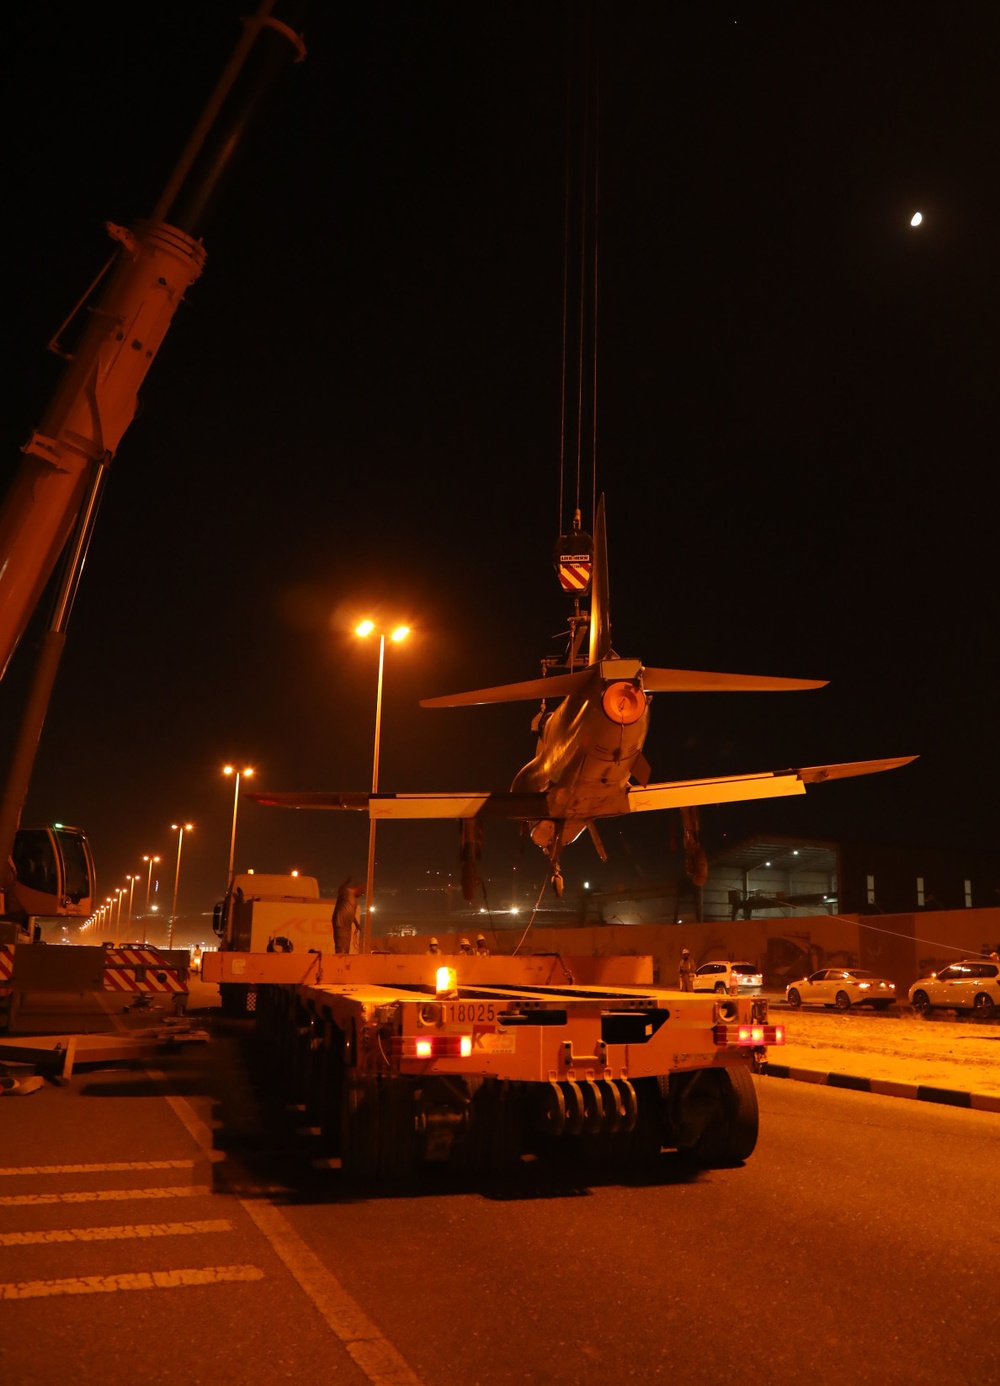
(51, 505)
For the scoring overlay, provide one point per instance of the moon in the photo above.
(916, 219)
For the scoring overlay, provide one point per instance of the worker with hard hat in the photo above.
(685, 971)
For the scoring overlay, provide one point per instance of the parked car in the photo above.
(842, 987)
(970, 985)
(719, 976)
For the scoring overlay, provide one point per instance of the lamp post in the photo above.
(180, 829)
(131, 888)
(231, 770)
(119, 891)
(396, 635)
(149, 882)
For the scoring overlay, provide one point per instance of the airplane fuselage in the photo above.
(587, 750)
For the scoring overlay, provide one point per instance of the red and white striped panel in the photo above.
(132, 957)
(574, 575)
(139, 970)
(6, 962)
(126, 980)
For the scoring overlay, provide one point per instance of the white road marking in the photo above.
(373, 1353)
(114, 1234)
(141, 1280)
(114, 1167)
(105, 1195)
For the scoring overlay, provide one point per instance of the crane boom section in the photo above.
(90, 411)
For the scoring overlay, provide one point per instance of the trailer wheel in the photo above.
(359, 1129)
(234, 998)
(395, 1153)
(9, 1007)
(496, 1141)
(714, 1115)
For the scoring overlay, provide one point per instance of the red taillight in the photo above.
(431, 1046)
(750, 1035)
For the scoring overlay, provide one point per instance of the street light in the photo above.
(149, 882)
(120, 891)
(396, 635)
(231, 770)
(131, 887)
(180, 829)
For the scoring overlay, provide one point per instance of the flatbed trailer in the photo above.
(404, 1059)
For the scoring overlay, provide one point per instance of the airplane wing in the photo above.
(730, 789)
(526, 807)
(444, 805)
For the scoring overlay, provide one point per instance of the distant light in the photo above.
(365, 628)
(400, 633)
(916, 219)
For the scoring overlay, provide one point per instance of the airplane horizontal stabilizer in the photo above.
(732, 789)
(555, 686)
(699, 681)
(410, 806)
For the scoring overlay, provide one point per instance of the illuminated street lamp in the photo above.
(180, 829)
(149, 882)
(120, 891)
(231, 770)
(131, 888)
(396, 635)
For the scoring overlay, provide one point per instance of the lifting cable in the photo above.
(581, 202)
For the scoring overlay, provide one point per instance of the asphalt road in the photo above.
(855, 1242)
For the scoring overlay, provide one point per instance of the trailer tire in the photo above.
(714, 1116)
(359, 1129)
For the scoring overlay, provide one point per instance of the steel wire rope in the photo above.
(531, 921)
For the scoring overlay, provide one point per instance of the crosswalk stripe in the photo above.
(141, 1280)
(114, 1234)
(104, 1195)
(115, 1167)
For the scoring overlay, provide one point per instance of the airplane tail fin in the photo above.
(600, 619)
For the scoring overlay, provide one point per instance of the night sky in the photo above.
(358, 408)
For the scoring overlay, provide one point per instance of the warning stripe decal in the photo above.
(124, 979)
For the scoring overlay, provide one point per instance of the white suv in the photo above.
(971, 985)
(721, 976)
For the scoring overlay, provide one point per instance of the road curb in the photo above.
(883, 1087)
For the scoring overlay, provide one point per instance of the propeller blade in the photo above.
(700, 681)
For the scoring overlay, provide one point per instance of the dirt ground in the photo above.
(944, 1052)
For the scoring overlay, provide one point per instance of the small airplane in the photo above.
(589, 761)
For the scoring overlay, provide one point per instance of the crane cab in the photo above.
(53, 873)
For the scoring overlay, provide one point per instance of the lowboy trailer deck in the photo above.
(402, 1059)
